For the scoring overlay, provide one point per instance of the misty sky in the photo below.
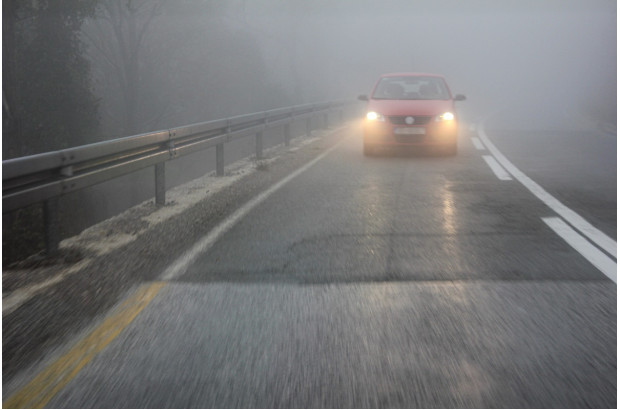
(210, 59)
(490, 50)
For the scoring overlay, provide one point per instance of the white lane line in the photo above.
(597, 258)
(497, 168)
(573, 218)
(178, 267)
(477, 144)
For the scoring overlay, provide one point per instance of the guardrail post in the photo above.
(259, 145)
(287, 135)
(219, 160)
(160, 184)
(52, 226)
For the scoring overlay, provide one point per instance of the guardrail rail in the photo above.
(44, 178)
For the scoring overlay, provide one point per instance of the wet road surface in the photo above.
(388, 281)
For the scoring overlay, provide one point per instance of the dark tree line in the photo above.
(47, 101)
(80, 71)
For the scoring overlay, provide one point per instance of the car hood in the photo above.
(410, 107)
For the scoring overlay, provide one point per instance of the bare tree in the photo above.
(117, 39)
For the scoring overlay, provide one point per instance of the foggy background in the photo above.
(82, 71)
(204, 60)
(201, 60)
(153, 64)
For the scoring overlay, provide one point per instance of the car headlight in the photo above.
(446, 116)
(375, 116)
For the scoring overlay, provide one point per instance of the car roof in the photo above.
(412, 75)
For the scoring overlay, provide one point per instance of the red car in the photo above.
(411, 110)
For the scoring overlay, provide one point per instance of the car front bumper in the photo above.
(387, 134)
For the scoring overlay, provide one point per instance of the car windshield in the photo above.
(411, 88)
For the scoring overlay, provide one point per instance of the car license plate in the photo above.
(410, 131)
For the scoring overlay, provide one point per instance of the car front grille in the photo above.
(418, 119)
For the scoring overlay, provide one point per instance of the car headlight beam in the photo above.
(446, 116)
(375, 116)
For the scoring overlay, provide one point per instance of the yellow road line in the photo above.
(50, 381)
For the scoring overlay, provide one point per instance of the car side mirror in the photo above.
(363, 97)
(459, 97)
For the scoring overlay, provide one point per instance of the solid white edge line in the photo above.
(477, 144)
(178, 267)
(497, 168)
(597, 258)
(573, 218)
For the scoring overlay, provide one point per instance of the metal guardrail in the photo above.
(45, 177)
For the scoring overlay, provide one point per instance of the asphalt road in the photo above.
(389, 281)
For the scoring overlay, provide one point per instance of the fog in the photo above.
(202, 60)
(411, 250)
(78, 72)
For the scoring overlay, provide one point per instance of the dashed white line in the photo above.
(597, 258)
(478, 144)
(570, 216)
(497, 168)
